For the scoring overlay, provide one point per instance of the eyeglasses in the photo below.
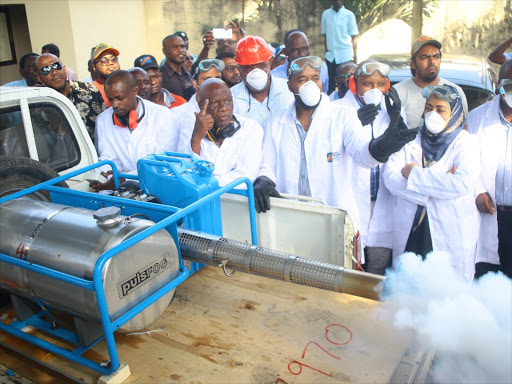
(442, 92)
(107, 60)
(189, 58)
(369, 69)
(232, 68)
(48, 68)
(344, 76)
(506, 86)
(298, 65)
(205, 65)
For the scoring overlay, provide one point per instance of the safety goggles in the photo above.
(440, 91)
(207, 64)
(506, 86)
(104, 61)
(298, 65)
(48, 68)
(369, 69)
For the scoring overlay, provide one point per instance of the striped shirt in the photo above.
(278, 100)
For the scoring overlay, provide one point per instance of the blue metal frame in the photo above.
(166, 216)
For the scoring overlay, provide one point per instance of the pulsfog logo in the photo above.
(141, 277)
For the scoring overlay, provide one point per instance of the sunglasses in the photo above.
(298, 65)
(108, 60)
(369, 69)
(48, 68)
(205, 65)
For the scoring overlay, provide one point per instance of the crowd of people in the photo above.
(414, 169)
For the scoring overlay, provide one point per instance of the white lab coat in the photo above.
(380, 222)
(156, 132)
(485, 122)
(333, 140)
(449, 198)
(185, 119)
(238, 156)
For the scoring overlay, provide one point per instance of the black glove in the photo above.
(367, 113)
(264, 188)
(396, 135)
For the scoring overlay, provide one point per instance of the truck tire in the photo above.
(18, 173)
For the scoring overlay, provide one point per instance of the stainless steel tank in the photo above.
(70, 240)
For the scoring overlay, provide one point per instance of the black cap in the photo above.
(146, 62)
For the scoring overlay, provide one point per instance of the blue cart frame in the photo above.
(166, 217)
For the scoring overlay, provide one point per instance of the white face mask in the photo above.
(373, 96)
(257, 79)
(310, 94)
(435, 122)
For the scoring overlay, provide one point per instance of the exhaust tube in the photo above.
(209, 249)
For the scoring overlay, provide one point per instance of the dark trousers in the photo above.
(331, 69)
(505, 241)
(504, 248)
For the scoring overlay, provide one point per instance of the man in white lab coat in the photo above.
(374, 202)
(131, 129)
(492, 123)
(309, 149)
(232, 143)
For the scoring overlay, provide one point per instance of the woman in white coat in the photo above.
(433, 179)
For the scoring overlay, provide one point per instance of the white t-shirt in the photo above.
(413, 101)
(508, 55)
(156, 132)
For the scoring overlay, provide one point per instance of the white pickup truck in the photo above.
(42, 135)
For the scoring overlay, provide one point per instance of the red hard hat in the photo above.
(252, 50)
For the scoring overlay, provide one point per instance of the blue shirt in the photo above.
(17, 83)
(338, 28)
(303, 187)
(282, 72)
(277, 101)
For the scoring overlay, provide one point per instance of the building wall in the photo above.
(22, 44)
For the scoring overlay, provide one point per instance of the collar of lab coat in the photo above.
(493, 112)
(273, 91)
(321, 112)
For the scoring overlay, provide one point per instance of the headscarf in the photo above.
(435, 146)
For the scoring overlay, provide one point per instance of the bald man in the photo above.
(132, 128)
(296, 45)
(143, 82)
(84, 96)
(232, 143)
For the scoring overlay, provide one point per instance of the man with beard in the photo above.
(342, 76)
(425, 64)
(261, 94)
(85, 96)
(232, 143)
(231, 73)
(105, 62)
(157, 94)
(131, 129)
(175, 78)
(308, 150)
(27, 70)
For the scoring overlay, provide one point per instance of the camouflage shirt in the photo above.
(89, 102)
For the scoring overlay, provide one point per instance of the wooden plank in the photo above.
(248, 329)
